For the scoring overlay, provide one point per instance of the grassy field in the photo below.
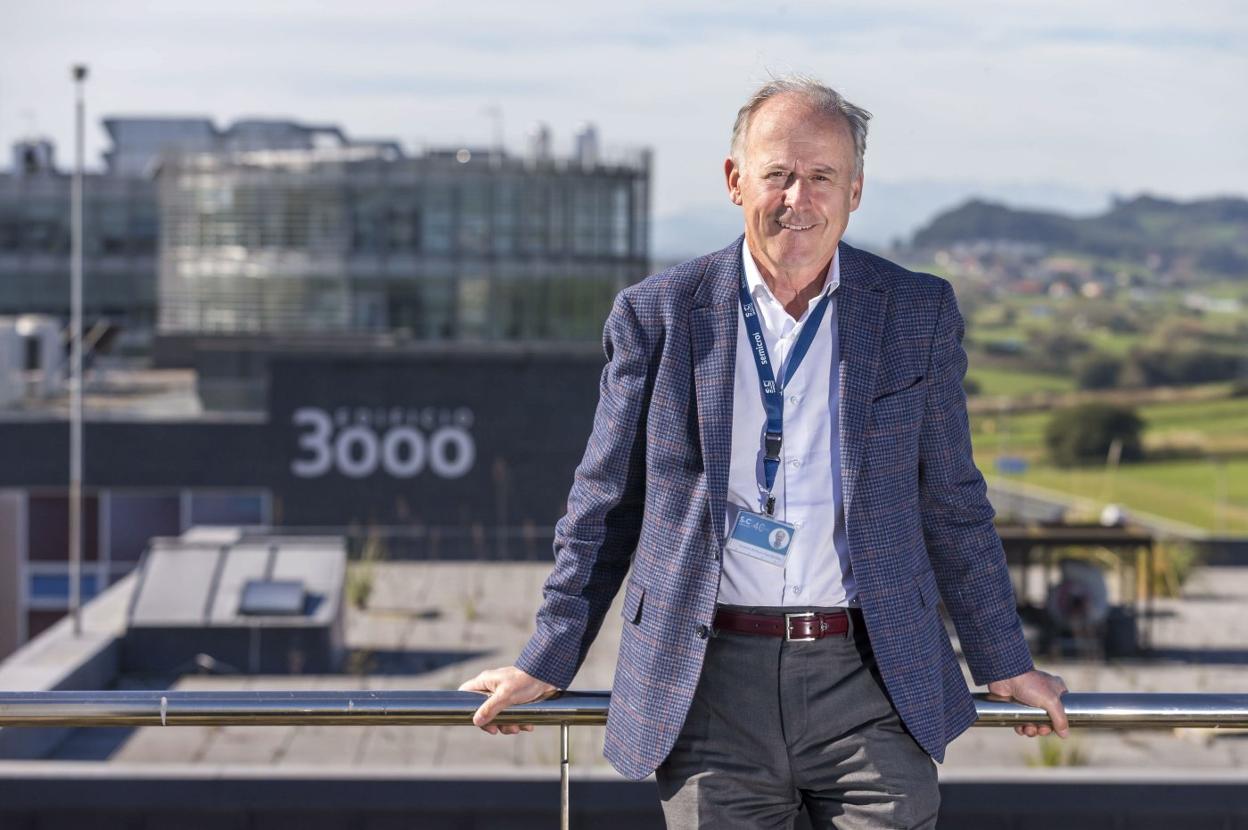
(1114, 343)
(1024, 346)
(1185, 491)
(1199, 474)
(1003, 382)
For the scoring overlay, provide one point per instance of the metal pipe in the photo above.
(565, 805)
(1125, 710)
(148, 708)
(75, 333)
(427, 708)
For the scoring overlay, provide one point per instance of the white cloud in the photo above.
(1096, 95)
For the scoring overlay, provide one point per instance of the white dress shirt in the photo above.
(808, 492)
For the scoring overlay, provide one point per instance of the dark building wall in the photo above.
(116, 802)
(135, 454)
(444, 438)
(450, 439)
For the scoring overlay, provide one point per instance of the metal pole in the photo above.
(429, 708)
(565, 810)
(282, 708)
(75, 389)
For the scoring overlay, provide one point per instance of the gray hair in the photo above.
(822, 98)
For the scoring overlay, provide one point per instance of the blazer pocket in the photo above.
(634, 598)
(929, 593)
(898, 385)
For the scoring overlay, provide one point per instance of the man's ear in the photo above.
(732, 176)
(855, 194)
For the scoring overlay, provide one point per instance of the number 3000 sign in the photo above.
(358, 450)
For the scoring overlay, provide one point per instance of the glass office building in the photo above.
(119, 241)
(279, 227)
(456, 244)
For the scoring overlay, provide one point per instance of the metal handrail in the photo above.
(429, 708)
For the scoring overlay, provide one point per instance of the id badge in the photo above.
(761, 537)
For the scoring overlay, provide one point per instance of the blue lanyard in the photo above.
(773, 393)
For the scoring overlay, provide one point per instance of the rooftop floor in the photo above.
(433, 625)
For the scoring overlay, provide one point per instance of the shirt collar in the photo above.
(758, 288)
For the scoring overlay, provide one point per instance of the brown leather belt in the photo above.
(801, 626)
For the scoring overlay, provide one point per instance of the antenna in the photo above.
(495, 113)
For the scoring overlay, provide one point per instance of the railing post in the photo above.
(564, 807)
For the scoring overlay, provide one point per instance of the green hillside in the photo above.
(1208, 236)
(1196, 470)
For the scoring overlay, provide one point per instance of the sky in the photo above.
(1059, 104)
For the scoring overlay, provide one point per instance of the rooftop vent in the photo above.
(267, 597)
(263, 603)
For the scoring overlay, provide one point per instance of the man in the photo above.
(781, 449)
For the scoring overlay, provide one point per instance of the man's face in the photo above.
(797, 185)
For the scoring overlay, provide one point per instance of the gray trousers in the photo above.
(778, 724)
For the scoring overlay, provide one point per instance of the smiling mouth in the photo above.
(789, 227)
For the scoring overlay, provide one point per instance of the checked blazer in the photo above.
(650, 493)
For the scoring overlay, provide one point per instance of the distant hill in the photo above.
(891, 210)
(1209, 234)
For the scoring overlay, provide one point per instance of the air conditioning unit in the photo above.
(43, 353)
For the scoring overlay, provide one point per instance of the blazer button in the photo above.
(703, 631)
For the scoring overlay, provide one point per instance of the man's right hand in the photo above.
(506, 687)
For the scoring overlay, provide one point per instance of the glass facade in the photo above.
(277, 227)
(488, 248)
(119, 246)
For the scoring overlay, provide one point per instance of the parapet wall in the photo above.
(60, 660)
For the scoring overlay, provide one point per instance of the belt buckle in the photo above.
(788, 630)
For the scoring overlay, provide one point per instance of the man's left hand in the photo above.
(1039, 689)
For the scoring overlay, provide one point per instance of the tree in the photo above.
(1083, 434)
(1098, 371)
(1054, 350)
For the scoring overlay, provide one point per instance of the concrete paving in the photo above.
(433, 625)
(1201, 646)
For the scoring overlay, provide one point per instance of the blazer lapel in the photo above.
(860, 306)
(713, 335)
